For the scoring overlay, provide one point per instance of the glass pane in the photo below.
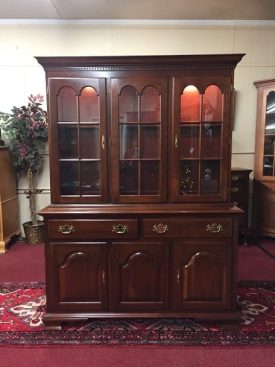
(149, 177)
(128, 171)
(89, 143)
(128, 141)
(128, 105)
(150, 142)
(211, 141)
(88, 105)
(189, 141)
(269, 145)
(210, 177)
(67, 105)
(150, 105)
(269, 166)
(67, 137)
(69, 178)
(189, 177)
(90, 178)
(190, 104)
(212, 104)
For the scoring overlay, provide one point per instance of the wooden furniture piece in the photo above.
(240, 197)
(9, 214)
(264, 175)
(141, 223)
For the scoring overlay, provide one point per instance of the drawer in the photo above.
(187, 228)
(82, 229)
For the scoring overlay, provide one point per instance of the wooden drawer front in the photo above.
(187, 228)
(92, 229)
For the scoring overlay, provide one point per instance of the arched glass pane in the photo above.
(128, 105)
(212, 104)
(67, 105)
(150, 105)
(88, 105)
(190, 104)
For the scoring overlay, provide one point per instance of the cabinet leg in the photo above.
(2, 247)
(52, 325)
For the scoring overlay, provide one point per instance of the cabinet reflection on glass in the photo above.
(79, 178)
(139, 141)
(70, 106)
(196, 107)
(211, 141)
(69, 142)
(143, 108)
(139, 177)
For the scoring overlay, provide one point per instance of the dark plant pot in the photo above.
(34, 233)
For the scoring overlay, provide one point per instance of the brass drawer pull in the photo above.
(160, 228)
(120, 228)
(235, 189)
(214, 228)
(66, 229)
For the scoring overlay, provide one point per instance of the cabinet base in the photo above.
(54, 321)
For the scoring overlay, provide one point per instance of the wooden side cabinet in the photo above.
(264, 171)
(9, 214)
(239, 194)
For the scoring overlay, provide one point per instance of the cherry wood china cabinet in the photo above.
(141, 223)
(264, 176)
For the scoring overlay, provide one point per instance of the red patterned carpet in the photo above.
(23, 305)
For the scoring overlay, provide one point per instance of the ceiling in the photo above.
(138, 9)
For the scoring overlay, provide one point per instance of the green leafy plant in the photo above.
(26, 132)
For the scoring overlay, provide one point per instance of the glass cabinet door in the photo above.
(139, 131)
(79, 154)
(199, 147)
(268, 163)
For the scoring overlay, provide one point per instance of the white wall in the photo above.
(20, 74)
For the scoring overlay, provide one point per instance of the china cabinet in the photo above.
(9, 214)
(141, 223)
(264, 176)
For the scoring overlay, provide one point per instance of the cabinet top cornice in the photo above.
(264, 83)
(116, 63)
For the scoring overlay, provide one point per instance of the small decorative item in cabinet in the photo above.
(9, 222)
(240, 196)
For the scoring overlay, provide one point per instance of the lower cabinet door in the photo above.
(77, 276)
(139, 276)
(201, 275)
